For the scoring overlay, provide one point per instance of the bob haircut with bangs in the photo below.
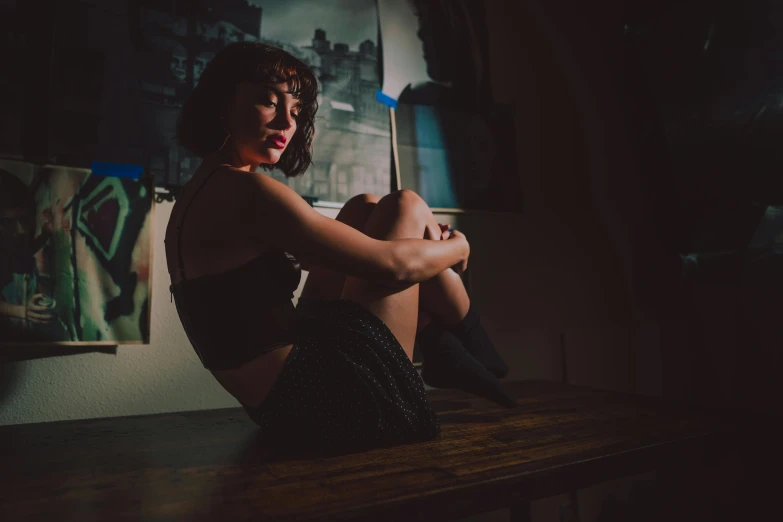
(199, 128)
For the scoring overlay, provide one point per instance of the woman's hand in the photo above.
(442, 232)
(456, 235)
(447, 233)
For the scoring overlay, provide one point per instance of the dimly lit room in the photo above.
(391, 260)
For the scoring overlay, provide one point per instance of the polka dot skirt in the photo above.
(346, 384)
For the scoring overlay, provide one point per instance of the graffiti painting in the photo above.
(76, 256)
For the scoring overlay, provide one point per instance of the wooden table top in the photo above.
(208, 465)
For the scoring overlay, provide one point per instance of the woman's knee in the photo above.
(402, 213)
(407, 203)
(413, 206)
(362, 200)
(357, 210)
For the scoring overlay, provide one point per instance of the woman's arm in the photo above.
(427, 258)
(285, 221)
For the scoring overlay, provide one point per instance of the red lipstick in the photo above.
(277, 141)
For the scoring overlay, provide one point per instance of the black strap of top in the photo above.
(182, 220)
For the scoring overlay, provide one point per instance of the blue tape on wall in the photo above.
(117, 170)
(385, 99)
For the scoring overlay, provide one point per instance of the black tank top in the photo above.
(233, 317)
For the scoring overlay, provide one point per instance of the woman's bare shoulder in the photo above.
(265, 181)
(266, 204)
(272, 195)
(245, 188)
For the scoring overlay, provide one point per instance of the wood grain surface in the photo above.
(208, 465)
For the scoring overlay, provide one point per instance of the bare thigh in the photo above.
(401, 214)
(325, 284)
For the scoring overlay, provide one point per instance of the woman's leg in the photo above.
(443, 297)
(401, 214)
(447, 363)
(446, 307)
(322, 283)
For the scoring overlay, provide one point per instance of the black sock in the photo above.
(473, 336)
(447, 364)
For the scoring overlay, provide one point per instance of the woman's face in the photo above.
(262, 122)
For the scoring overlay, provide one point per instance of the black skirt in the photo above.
(346, 384)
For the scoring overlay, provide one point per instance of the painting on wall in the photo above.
(352, 146)
(76, 256)
(119, 72)
(455, 145)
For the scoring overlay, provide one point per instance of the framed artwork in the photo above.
(116, 74)
(76, 257)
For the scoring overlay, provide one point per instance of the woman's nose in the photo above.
(285, 119)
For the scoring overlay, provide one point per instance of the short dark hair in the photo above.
(199, 128)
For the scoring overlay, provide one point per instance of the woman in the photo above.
(335, 371)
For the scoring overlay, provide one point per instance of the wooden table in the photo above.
(207, 465)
